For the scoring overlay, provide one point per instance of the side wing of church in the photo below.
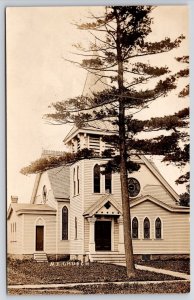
(76, 211)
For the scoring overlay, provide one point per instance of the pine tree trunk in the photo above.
(125, 198)
(123, 167)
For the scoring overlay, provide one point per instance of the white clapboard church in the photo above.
(76, 212)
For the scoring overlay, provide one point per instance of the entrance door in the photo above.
(103, 235)
(39, 238)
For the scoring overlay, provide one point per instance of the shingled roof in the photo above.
(22, 208)
(60, 182)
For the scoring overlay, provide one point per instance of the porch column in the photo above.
(92, 235)
(121, 247)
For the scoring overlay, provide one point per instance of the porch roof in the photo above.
(99, 207)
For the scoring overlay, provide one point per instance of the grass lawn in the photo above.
(30, 272)
(181, 265)
(109, 288)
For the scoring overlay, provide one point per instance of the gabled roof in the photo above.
(60, 182)
(23, 208)
(159, 176)
(96, 208)
(175, 208)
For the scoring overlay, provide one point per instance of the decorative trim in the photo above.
(177, 208)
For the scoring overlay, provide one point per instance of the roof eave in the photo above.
(86, 130)
(36, 211)
(140, 200)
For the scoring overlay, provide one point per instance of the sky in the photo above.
(37, 41)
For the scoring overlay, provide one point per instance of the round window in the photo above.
(133, 187)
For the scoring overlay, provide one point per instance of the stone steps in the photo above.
(40, 257)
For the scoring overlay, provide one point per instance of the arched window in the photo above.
(158, 228)
(135, 228)
(75, 228)
(97, 179)
(146, 225)
(108, 183)
(64, 223)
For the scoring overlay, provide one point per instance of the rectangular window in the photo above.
(64, 223)
(78, 179)
(74, 183)
(75, 228)
(96, 175)
(108, 183)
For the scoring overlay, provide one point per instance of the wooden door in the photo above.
(103, 235)
(39, 238)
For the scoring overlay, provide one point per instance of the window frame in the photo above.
(105, 182)
(135, 238)
(78, 181)
(146, 219)
(64, 236)
(161, 229)
(75, 228)
(94, 185)
(74, 182)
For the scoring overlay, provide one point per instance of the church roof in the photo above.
(171, 208)
(60, 182)
(22, 208)
(93, 84)
(59, 179)
(159, 176)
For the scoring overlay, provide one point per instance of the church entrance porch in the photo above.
(103, 235)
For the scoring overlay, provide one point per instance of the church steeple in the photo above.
(90, 136)
(93, 84)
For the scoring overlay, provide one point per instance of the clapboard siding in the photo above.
(158, 192)
(49, 233)
(150, 185)
(89, 197)
(116, 235)
(14, 239)
(63, 246)
(175, 230)
(76, 211)
(86, 235)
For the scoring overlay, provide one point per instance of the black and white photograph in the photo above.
(98, 197)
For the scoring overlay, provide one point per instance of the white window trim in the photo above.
(101, 178)
(162, 236)
(139, 236)
(61, 210)
(150, 228)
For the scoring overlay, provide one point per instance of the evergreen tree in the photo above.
(115, 58)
